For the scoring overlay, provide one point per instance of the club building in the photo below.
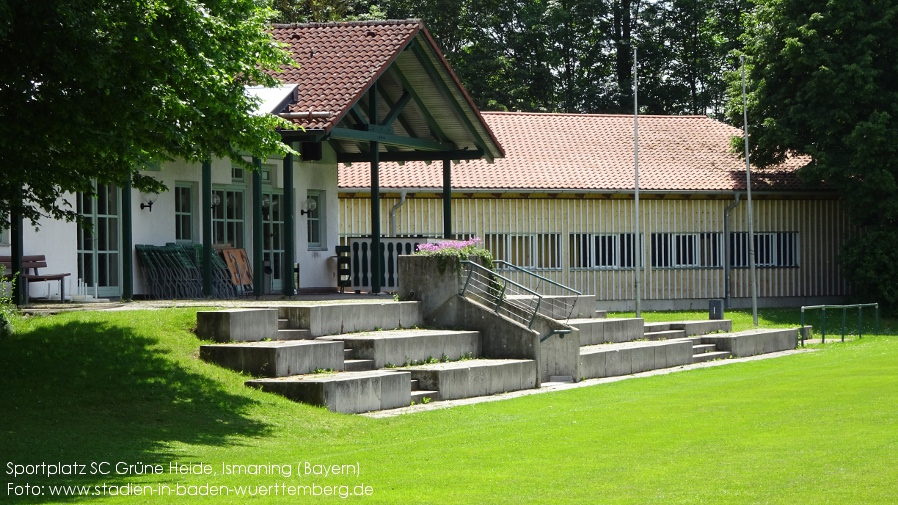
(393, 145)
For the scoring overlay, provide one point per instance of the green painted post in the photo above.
(823, 325)
(206, 216)
(258, 243)
(17, 248)
(801, 331)
(860, 321)
(844, 319)
(127, 242)
(376, 255)
(289, 214)
(447, 199)
(876, 312)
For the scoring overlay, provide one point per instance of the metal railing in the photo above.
(362, 260)
(538, 279)
(844, 308)
(509, 298)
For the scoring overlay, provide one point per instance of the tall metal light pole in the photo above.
(751, 217)
(638, 242)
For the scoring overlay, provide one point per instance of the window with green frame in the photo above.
(184, 213)
(315, 220)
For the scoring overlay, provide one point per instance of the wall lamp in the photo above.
(308, 206)
(148, 202)
(216, 200)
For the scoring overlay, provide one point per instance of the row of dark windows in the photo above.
(665, 250)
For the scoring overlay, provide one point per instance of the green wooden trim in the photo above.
(397, 108)
(474, 154)
(390, 139)
(435, 76)
(356, 113)
(428, 118)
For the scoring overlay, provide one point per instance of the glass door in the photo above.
(99, 248)
(273, 236)
(228, 217)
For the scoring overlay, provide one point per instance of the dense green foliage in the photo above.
(577, 55)
(96, 89)
(570, 55)
(824, 83)
(127, 386)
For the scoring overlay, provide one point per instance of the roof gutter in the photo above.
(726, 250)
(306, 115)
(393, 213)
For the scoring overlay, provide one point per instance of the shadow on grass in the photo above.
(87, 392)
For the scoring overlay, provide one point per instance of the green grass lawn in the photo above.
(94, 388)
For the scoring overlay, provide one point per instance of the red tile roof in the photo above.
(586, 152)
(338, 61)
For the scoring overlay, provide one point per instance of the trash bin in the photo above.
(715, 309)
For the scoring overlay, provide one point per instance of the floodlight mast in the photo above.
(637, 249)
(751, 218)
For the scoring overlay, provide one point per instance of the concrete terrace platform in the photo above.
(754, 342)
(403, 347)
(599, 331)
(278, 358)
(611, 360)
(345, 392)
(476, 377)
(691, 328)
(332, 319)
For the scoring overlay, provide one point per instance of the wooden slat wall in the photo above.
(820, 224)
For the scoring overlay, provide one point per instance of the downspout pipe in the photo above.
(393, 213)
(726, 250)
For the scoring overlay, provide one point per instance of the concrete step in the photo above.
(237, 325)
(283, 323)
(653, 327)
(337, 318)
(664, 334)
(611, 360)
(358, 365)
(276, 358)
(710, 356)
(475, 377)
(405, 347)
(423, 396)
(347, 392)
(703, 327)
(294, 334)
(703, 348)
(752, 342)
(599, 331)
(601, 314)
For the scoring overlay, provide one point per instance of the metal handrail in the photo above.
(499, 298)
(534, 274)
(860, 318)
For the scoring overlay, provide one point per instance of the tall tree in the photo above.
(824, 81)
(90, 90)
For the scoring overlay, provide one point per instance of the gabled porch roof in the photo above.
(384, 82)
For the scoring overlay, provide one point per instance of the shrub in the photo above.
(456, 251)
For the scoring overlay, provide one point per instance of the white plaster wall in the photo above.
(318, 269)
(57, 240)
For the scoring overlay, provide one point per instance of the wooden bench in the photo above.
(30, 273)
